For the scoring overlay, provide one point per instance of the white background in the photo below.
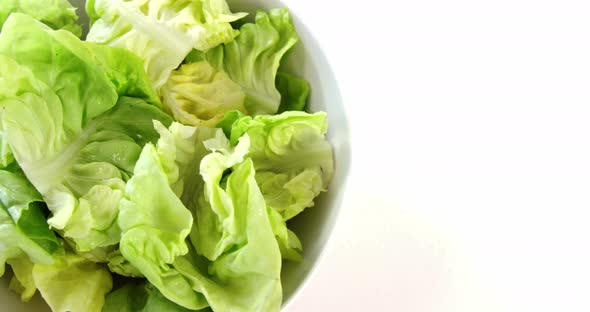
(471, 182)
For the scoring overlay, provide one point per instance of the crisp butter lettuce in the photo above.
(25, 236)
(199, 95)
(153, 220)
(253, 58)
(70, 127)
(140, 297)
(73, 284)
(22, 281)
(232, 229)
(292, 157)
(24, 233)
(294, 92)
(57, 14)
(231, 226)
(293, 162)
(161, 32)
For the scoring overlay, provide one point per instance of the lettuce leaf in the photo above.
(154, 221)
(26, 208)
(197, 94)
(73, 284)
(142, 297)
(292, 157)
(294, 92)
(25, 236)
(253, 58)
(70, 127)
(22, 281)
(289, 243)
(24, 233)
(57, 14)
(232, 230)
(162, 32)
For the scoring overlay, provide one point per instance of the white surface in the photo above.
(471, 160)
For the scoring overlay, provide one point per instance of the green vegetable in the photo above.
(74, 136)
(142, 297)
(73, 284)
(96, 178)
(294, 92)
(118, 264)
(57, 14)
(292, 158)
(6, 156)
(26, 209)
(253, 58)
(293, 162)
(288, 241)
(23, 229)
(162, 32)
(22, 282)
(155, 223)
(197, 94)
(24, 233)
(232, 230)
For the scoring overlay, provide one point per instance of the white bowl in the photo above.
(315, 224)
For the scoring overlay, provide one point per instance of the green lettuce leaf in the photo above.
(162, 32)
(6, 156)
(232, 226)
(253, 58)
(154, 221)
(26, 208)
(24, 232)
(292, 157)
(142, 297)
(22, 281)
(70, 127)
(218, 225)
(73, 284)
(57, 14)
(294, 92)
(61, 60)
(232, 230)
(289, 243)
(118, 264)
(197, 94)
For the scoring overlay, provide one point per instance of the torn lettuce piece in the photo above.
(26, 208)
(294, 92)
(118, 264)
(22, 281)
(57, 14)
(153, 220)
(253, 58)
(24, 233)
(289, 243)
(233, 224)
(61, 60)
(6, 156)
(292, 158)
(163, 32)
(140, 297)
(233, 230)
(199, 95)
(219, 224)
(70, 127)
(73, 284)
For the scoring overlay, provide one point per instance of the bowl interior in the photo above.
(315, 224)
